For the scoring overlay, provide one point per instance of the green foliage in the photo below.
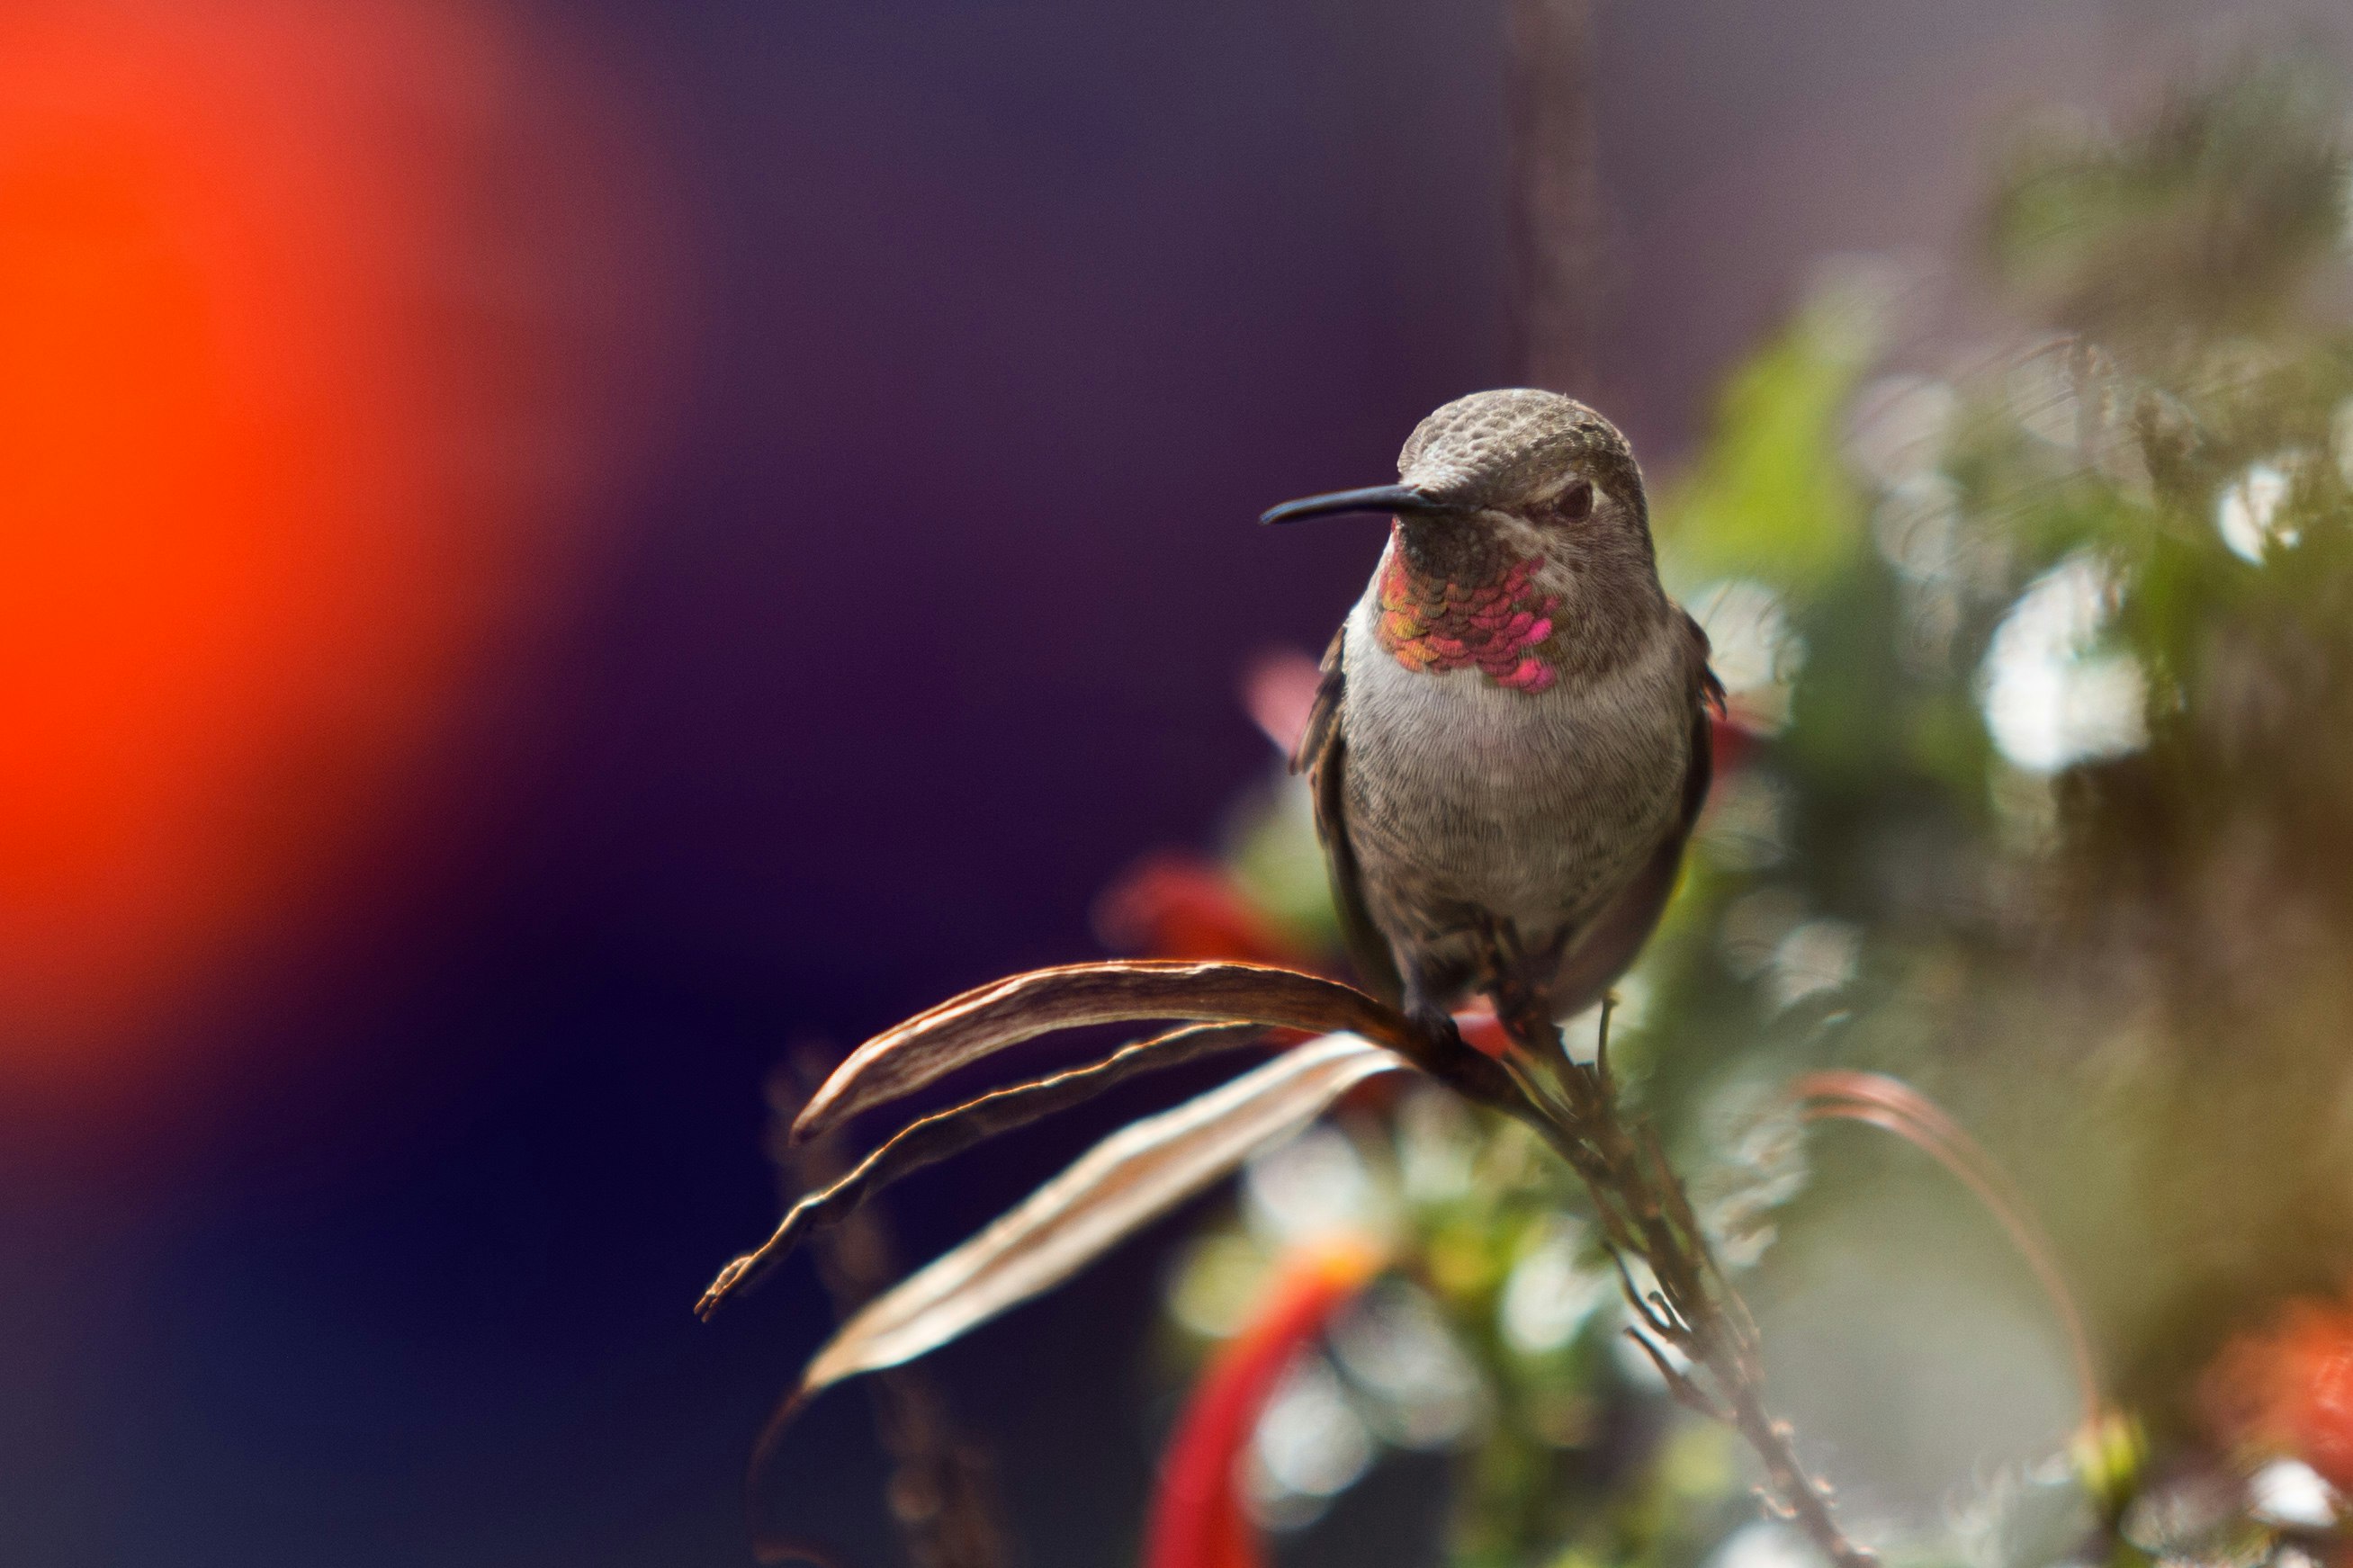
(2207, 222)
(1768, 497)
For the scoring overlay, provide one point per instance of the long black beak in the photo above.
(1380, 497)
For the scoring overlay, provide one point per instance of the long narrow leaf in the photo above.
(937, 1137)
(1117, 1188)
(967, 1028)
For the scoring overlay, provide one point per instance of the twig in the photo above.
(1645, 1211)
(1687, 1394)
(1641, 1301)
(941, 1494)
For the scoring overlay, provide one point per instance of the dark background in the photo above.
(923, 621)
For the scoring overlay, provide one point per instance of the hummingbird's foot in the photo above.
(1517, 977)
(1434, 1024)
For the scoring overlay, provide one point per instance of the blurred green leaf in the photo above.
(1769, 496)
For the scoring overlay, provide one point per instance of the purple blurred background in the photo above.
(985, 332)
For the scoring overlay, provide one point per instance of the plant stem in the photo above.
(941, 1493)
(1555, 211)
(1643, 1211)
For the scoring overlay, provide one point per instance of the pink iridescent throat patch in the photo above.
(1495, 628)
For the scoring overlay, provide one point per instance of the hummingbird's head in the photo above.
(1520, 545)
(1534, 472)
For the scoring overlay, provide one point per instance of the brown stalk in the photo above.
(1643, 1212)
(941, 1494)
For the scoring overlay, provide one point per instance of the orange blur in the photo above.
(282, 436)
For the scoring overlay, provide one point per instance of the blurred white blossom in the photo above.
(2291, 1494)
(1310, 1445)
(2247, 515)
(1548, 1295)
(1762, 1168)
(1315, 1184)
(1820, 955)
(1752, 926)
(1765, 1544)
(1917, 526)
(1420, 1388)
(2050, 698)
(1752, 647)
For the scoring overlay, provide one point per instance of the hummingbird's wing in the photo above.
(1605, 949)
(1322, 756)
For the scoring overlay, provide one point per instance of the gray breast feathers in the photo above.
(1536, 808)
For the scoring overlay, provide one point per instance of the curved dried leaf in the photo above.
(967, 1028)
(1894, 1106)
(1117, 1188)
(935, 1138)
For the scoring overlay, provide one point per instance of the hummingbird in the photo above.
(1509, 742)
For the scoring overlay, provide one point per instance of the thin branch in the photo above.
(1644, 1210)
(1641, 1301)
(1602, 1045)
(941, 1494)
(1687, 1394)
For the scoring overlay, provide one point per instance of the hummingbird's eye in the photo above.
(1577, 501)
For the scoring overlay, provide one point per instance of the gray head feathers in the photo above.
(1503, 449)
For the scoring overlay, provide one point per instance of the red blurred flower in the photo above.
(1174, 905)
(1278, 691)
(2289, 1389)
(320, 323)
(1197, 1515)
(1731, 743)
